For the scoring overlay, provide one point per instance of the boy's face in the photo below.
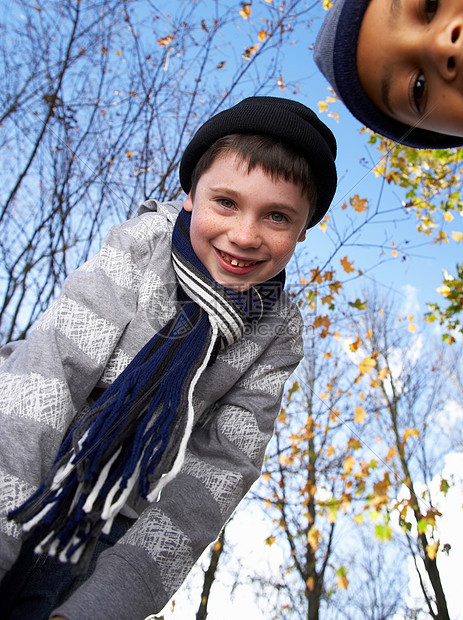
(410, 61)
(245, 226)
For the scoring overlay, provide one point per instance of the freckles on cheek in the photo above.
(204, 224)
(283, 251)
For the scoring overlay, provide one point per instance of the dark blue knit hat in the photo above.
(336, 57)
(286, 120)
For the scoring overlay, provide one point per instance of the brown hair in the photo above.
(277, 159)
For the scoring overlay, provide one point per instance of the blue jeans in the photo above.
(36, 585)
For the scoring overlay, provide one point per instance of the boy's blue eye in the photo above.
(418, 92)
(430, 8)
(278, 217)
(228, 204)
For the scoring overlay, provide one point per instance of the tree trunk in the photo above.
(209, 576)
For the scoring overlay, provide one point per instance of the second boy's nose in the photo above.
(445, 47)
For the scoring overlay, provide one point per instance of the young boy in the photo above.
(397, 66)
(170, 349)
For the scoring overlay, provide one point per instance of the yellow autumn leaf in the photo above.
(129, 154)
(390, 454)
(349, 464)
(165, 40)
(322, 106)
(347, 265)
(355, 345)
(314, 537)
(270, 540)
(410, 432)
(262, 35)
(367, 365)
(380, 493)
(245, 11)
(431, 550)
(330, 450)
(441, 236)
(324, 223)
(119, 53)
(343, 583)
(383, 373)
(327, 355)
(359, 204)
(395, 253)
(316, 275)
(354, 444)
(359, 519)
(448, 217)
(285, 460)
(412, 327)
(444, 290)
(321, 321)
(328, 299)
(360, 415)
(430, 516)
(250, 51)
(457, 236)
(310, 581)
(281, 83)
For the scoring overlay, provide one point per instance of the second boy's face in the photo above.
(410, 61)
(245, 226)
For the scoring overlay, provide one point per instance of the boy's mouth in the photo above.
(235, 262)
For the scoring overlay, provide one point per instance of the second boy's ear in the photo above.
(302, 236)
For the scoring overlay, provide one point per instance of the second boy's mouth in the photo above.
(235, 262)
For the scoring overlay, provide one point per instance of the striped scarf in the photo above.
(136, 434)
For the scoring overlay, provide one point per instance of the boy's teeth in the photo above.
(236, 263)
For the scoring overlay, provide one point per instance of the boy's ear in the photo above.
(188, 204)
(302, 235)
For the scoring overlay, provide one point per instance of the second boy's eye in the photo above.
(430, 8)
(418, 88)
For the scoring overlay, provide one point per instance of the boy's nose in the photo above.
(445, 47)
(245, 234)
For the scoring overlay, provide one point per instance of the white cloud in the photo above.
(411, 303)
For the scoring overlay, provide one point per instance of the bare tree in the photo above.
(98, 100)
(308, 482)
(378, 580)
(407, 396)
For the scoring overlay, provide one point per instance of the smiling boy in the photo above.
(170, 349)
(398, 67)
(245, 224)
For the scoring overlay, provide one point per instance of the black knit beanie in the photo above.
(286, 120)
(336, 57)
